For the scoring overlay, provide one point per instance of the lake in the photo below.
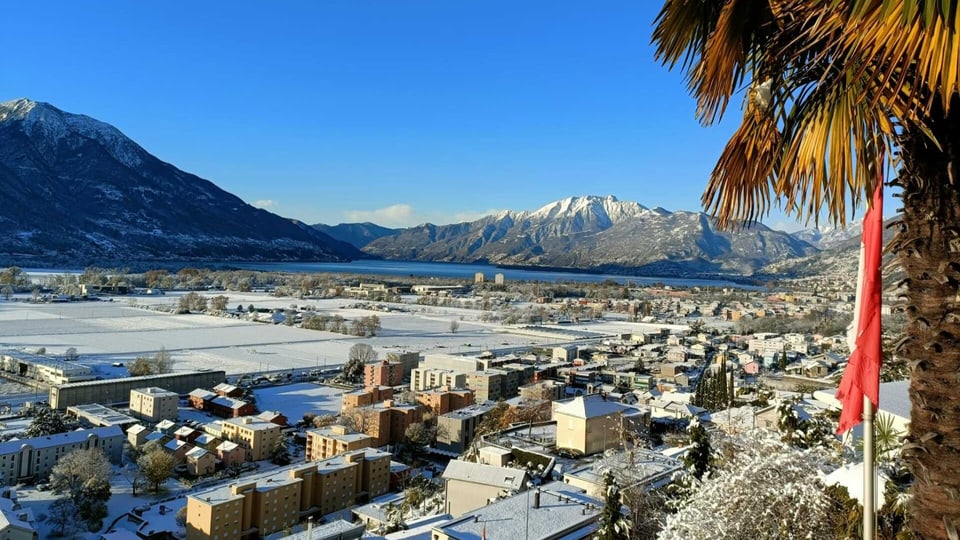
(467, 271)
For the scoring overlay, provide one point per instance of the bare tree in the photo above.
(64, 516)
(360, 354)
(454, 326)
(218, 304)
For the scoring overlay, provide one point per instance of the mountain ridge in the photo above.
(77, 189)
(595, 232)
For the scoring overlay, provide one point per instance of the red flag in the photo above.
(862, 376)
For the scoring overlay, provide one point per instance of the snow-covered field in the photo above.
(116, 331)
(295, 400)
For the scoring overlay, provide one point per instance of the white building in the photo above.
(34, 458)
(154, 404)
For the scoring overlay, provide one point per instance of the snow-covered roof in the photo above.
(488, 475)
(227, 446)
(196, 453)
(590, 406)
(561, 510)
(60, 439)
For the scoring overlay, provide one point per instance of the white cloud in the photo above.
(266, 204)
(396, 215)
(405, 215)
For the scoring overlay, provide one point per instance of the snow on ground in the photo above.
(121, 502)
(295, 400)
(106, 332)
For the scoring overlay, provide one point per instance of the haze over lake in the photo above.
(467, 271)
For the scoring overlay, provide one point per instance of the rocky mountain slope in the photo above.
(76, 191)
(597, 233)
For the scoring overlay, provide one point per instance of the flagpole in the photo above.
(869, 474)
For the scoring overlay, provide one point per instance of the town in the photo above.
(238, 404)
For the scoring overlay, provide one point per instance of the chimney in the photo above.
(536, 499)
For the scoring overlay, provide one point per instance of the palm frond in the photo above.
(681, 30)
(741, 187)
(834, 142)
(915, 44)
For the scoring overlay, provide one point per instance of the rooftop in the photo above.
(563, 511)
(101, 414)
(488, 475)
(70, 437)
(145, 378)
(591, 406)
(251, 422)
(471, 411)
(155, 391)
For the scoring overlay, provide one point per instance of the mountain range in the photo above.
(77, 191)
(589, 233)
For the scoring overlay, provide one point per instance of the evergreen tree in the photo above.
(46, 422)
(697, 458)
(613, 525)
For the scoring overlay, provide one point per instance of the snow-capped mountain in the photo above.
(828, 237)
(598, 233)
(77, 190)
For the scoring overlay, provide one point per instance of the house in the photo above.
(590, 424)
(200, 462)
(137, 435)
(186, 434)
(468, 486)
(177, 449)
(675, 410)
(227, 407)
(230, 453)
(199, 398)
(228, 390)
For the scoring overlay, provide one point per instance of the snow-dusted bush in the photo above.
(762, 489)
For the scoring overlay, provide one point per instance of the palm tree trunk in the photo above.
(927, 245)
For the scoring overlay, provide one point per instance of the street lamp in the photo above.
(526, 525)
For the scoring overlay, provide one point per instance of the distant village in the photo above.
(602, 384)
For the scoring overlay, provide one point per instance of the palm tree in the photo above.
(836, 92)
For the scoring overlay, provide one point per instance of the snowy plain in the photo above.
(117, 331)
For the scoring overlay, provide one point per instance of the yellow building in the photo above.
(257, 436)
(272, 502)
(591, 424)
(330, 441)
(154, 404)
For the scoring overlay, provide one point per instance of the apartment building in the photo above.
(257, 436)
(451, 362)
(367, 396)
(269, 503)
(386, 422)
(27, 459)
(487, 385)
(425, 378)
(456, 428)
(153, 404)
(383, 373)
(409, 360)
(443, 400)
(330, 441)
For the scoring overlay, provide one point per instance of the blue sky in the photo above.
(393, 111)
